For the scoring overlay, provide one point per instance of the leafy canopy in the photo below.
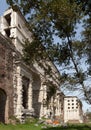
(50, 20)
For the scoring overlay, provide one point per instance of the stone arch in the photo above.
(3, 98)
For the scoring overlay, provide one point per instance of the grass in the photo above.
(39, 127)
(20, 127)
(72, 127)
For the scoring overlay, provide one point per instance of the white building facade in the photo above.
(72, 110)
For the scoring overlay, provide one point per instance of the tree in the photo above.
(56, 18)
(87, 31)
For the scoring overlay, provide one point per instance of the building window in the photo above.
(68, 103)
(25, 86)
(7, 31)
(8, 19)
(72, 107)
(76, 103)
(72, 103)
(72, 100)
(76, 100)
(68, 107)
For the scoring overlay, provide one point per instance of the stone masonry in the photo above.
(25, 90)
(6, 81)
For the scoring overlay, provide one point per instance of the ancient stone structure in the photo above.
(6, 79)
(24, 90)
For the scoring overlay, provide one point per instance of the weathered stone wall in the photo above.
(13, 69)
(6, 69)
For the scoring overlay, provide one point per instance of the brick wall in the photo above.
(6, 75)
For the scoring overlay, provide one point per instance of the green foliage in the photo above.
(32, 51)
(48, 19)
(14, 120)
(39, 127)
(31, 121)
(56, 18)
(50, 92)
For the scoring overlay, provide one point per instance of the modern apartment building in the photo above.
(72, 110)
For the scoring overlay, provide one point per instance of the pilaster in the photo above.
(30, 95)
(18, 112)
(42, 99)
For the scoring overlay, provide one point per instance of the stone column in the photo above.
(18, 112)
(30, 95)
(3, 25)
(42, 99)
(6, 112)
(58, 106)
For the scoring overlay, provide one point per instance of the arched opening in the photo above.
(25, 85)
(3, 98)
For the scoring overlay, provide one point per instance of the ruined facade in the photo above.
(24, 90)
(6, 79)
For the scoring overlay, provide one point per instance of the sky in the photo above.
(4, 6)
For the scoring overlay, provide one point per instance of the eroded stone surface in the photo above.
(27, 87)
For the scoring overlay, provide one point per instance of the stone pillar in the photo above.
(6, 112)
(30, 95)
(18, 112)
(42, 99)
(56, 106)
(59, 106)
(2, 26)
